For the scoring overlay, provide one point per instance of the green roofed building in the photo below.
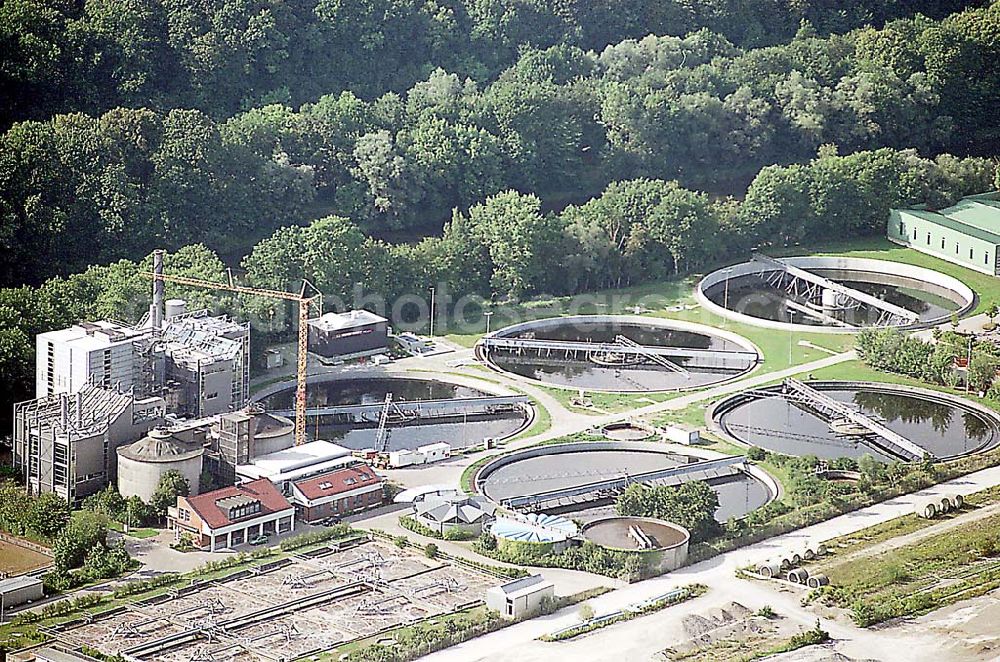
(967, 233)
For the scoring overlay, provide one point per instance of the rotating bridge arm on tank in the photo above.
(682, 473)
(421, 408)
(889, 312)
(641, 351)
(897, 444)
(568, 346)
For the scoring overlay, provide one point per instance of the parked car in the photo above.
(258, 539)
(330, 521)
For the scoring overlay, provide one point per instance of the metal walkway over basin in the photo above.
(694, 358)
(810, 287)
(895, 443)
(496, 404)
(609, 487)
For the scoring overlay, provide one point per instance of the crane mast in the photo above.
(305, 301)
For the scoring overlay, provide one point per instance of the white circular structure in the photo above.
(140, 465)
(718, 292)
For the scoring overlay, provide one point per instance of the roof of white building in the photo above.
(524, 586)
(297, 461)
(348, 320)
(90, 336)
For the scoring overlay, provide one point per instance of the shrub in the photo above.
(430, 550)
(411, 524)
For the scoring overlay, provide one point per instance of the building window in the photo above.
(914, 234)
(956, 248)
(942, 243)
(970, 253)
(928, 238)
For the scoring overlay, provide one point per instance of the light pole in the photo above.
(790, 332)
(488, 314)
(432, 312)
(725, 298)
(968, 366)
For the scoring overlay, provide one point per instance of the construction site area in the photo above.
(284, 609)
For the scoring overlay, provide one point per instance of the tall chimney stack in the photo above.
(156, 308)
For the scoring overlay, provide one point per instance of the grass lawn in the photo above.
(135, 531)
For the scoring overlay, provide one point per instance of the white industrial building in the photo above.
(521, 597)
(102, 385)
(202, 363)
(296, 463)
(103, 353)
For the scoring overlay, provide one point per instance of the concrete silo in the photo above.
(141, 464)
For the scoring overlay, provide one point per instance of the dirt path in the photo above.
(917, 536)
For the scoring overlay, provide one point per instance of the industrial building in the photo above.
(102, 385)
(337, 493)
(521, 597)
(67, 444)
(296, 463)
(463, 513)
(215, 445)
(15, 591)
(102, 353)
(142, 464)
(967, 233)
(202, 364)
(348, 335)
(231, 516)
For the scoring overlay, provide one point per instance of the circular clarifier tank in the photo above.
(357, 429)
(619, 353)
(943, 425)
(540, 472)
(833, 294)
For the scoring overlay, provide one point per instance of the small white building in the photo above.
(16, 591)
(681, 434)
(521, 597)
(421, 455)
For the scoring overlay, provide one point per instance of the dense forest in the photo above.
(518, 147)
(223, 56)
(560, 123)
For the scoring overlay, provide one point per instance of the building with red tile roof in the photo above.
(232, 516)
(337, 493)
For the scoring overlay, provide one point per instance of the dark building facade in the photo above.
(348, 335)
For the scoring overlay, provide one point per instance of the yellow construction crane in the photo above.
(305, 302)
